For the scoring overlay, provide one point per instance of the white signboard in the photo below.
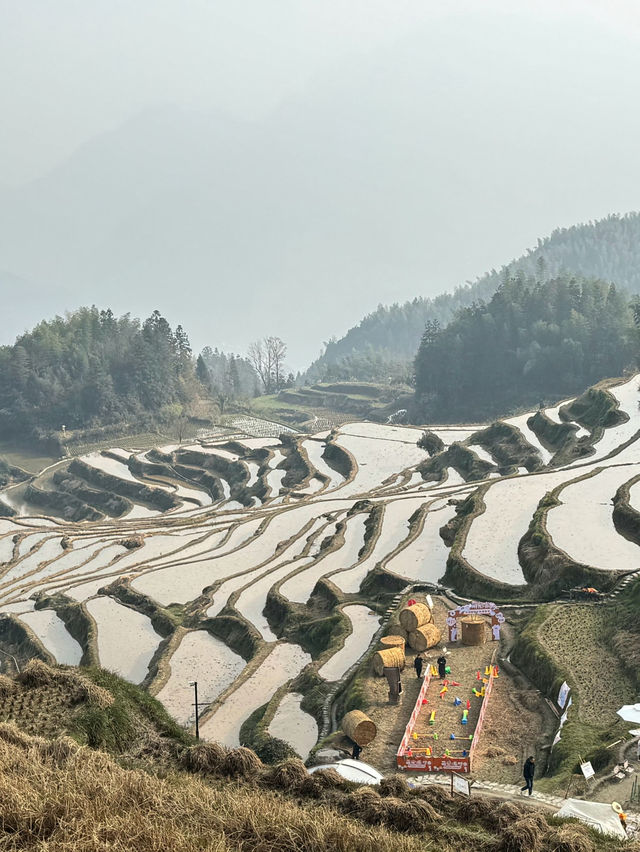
(459, 784)
(563, 694)
(587, 770)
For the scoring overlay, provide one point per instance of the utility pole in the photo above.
(194, 684)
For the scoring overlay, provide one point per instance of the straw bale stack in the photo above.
(388, 657)
(392, 642)
(359, 727)
(426, 636)
(415, 616)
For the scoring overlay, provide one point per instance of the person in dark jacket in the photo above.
(418, 663)
(442, 666)
(355, 753)
(528, 771)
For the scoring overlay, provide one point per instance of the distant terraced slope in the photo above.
(255, 564)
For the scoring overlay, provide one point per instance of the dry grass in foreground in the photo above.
(61, 796)
(58, 796)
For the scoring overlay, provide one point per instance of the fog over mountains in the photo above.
(426, 164)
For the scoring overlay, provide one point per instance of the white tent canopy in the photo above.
(599, 815)
(630, 713)
(353, 770)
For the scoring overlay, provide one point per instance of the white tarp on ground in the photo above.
(599, 815)
(353, 770)
(630, 713)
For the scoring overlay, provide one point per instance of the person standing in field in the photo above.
(417, 664)
(442, 666)
(528, 770)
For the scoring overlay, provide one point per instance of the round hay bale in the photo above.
(425, 637)
(388, 657)
(241, 763)
(392, 642)
(412, 617)
(359, 727)
(473, 630)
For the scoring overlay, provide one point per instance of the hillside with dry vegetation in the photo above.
(58, 794)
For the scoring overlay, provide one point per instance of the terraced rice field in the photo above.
(227, 549)
(291, 724)
(284, 662)
(583, 524)
(202, 658)
(363, 626)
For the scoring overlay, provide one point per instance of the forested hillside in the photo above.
(535, 340)
(226, 376)
(385, 340)
(93, 367)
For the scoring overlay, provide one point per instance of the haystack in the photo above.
(570, 838)
(204, 757)
(241, 762)
(415, 616)
(521, 836)
(359, 727)
(7, 686)
(388, 657)
(392, 642)
(473, 630)
(289, 775)
(426, 636)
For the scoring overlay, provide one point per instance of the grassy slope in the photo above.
(572, 643)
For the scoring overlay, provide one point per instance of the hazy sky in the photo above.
(70, 69)
(274, 160)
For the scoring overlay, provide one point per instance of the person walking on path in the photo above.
(528, 770)
(417, 664)
(355, 753)
(442, 666)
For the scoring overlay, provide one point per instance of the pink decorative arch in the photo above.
(475, 608)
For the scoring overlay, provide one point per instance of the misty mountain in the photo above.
(406, 173)
(385, 340)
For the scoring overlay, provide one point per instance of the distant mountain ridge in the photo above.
(608, 249)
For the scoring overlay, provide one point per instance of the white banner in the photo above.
(563, 694)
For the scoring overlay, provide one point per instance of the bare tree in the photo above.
(267, 356)
(257, 356)
(277, 350)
